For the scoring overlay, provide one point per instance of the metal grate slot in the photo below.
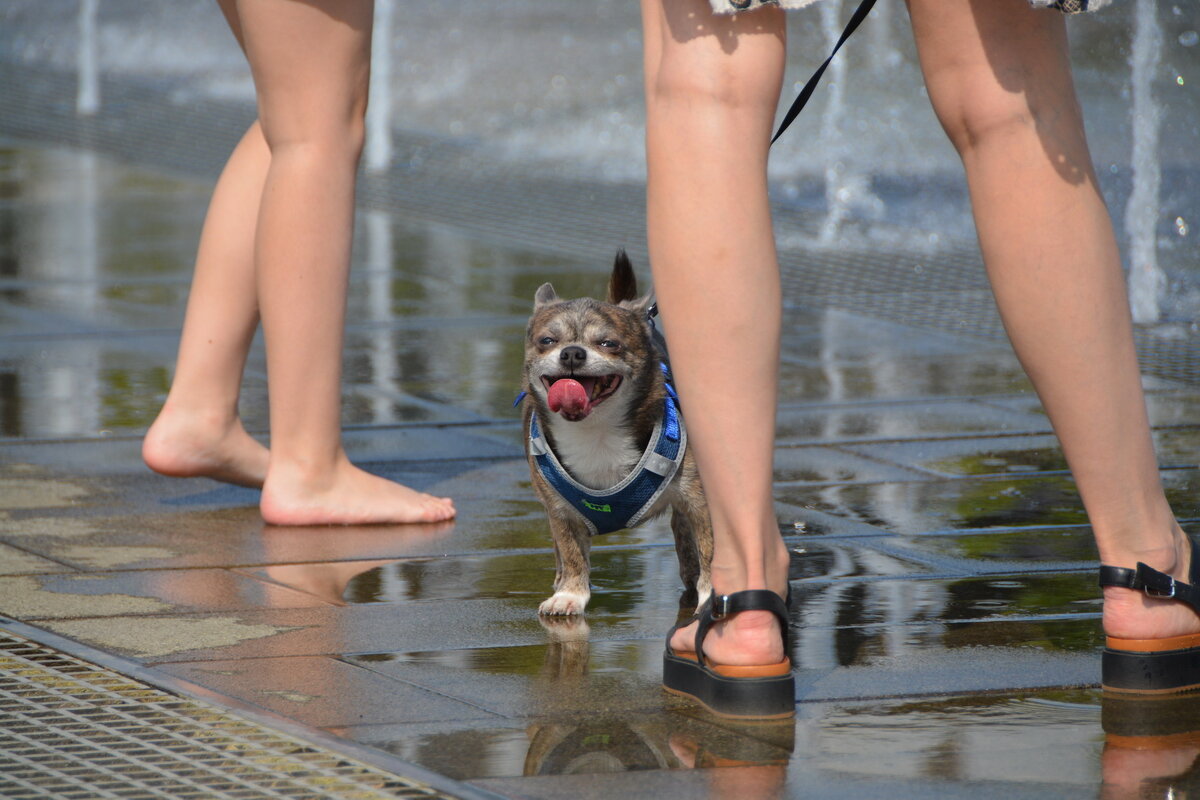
(70, 729)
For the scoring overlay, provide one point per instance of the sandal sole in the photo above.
(737, 698)
(1147, 670)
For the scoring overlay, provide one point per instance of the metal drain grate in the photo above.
(71, 729)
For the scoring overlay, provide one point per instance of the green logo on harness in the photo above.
(606, 508)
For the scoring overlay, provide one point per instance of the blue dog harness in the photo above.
(626, 504)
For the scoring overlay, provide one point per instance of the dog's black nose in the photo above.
(572, 357)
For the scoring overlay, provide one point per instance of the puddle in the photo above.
(601, 743)
(826, 465)
(1014, 550)
(625, 581)
(897, 421)
(1020, 742)
(993, 461)
(912, 508)
(892, 375)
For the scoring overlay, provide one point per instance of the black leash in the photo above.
(801, 100)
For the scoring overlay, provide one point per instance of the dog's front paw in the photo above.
(563, 604)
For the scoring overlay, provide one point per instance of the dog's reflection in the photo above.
(1151, 747)
(574, 743)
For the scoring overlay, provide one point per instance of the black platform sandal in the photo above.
(752, 692)
(1153, 666)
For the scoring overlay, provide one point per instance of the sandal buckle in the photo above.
(1161, 595)
(720, 607)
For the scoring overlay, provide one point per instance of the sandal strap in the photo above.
(1156, 584)
(718, 607)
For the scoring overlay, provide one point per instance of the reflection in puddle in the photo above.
(671, 741)
(330, 582)
(1017, 547)
(1045, 741)
(988, 462)
(603, 743)
(625, 580)
(1047, 738)
(577, 727)
(919, 507)
(1151, 747)
(937, 505)
(859, 623)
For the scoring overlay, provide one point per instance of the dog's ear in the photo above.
(640, 306)
(622, 286)
(545, 296)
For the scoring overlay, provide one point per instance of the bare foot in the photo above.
(184, 445)
(1131, 614)
(348, 496)
(748, 638)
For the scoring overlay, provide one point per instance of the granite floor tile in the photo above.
(982, 375)
(941, 658)
(1000, 551)
(826, 465)
(626, 581)
(886, 611)
(921, 507)
(148, 592)
(1178, 446)
(838, 335)
(330, 630)
(569, 674)
(14, 561)
(978, 455)
(854, 422)
(220, 537)
(1166, 406)
(323, 692)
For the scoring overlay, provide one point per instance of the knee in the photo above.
(335, 138)
(972, 119)
(713, 86)
(970, 127)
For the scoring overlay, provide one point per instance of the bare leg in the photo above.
(198, 432)
(277, 240)
(712, 85)
(310, 62)
(1000, 82)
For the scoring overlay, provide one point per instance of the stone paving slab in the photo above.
(325, 692)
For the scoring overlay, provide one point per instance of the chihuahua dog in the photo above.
(606, 443)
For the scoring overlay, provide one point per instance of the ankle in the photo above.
(1169, 552)
(765, 570)
(308, 473)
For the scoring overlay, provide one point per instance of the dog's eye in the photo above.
(610, 344)
(546, 341)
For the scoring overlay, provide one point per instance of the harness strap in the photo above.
(625, 504)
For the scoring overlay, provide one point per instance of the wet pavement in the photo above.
(945, 616)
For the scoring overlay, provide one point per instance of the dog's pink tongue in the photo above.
(569, 397)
